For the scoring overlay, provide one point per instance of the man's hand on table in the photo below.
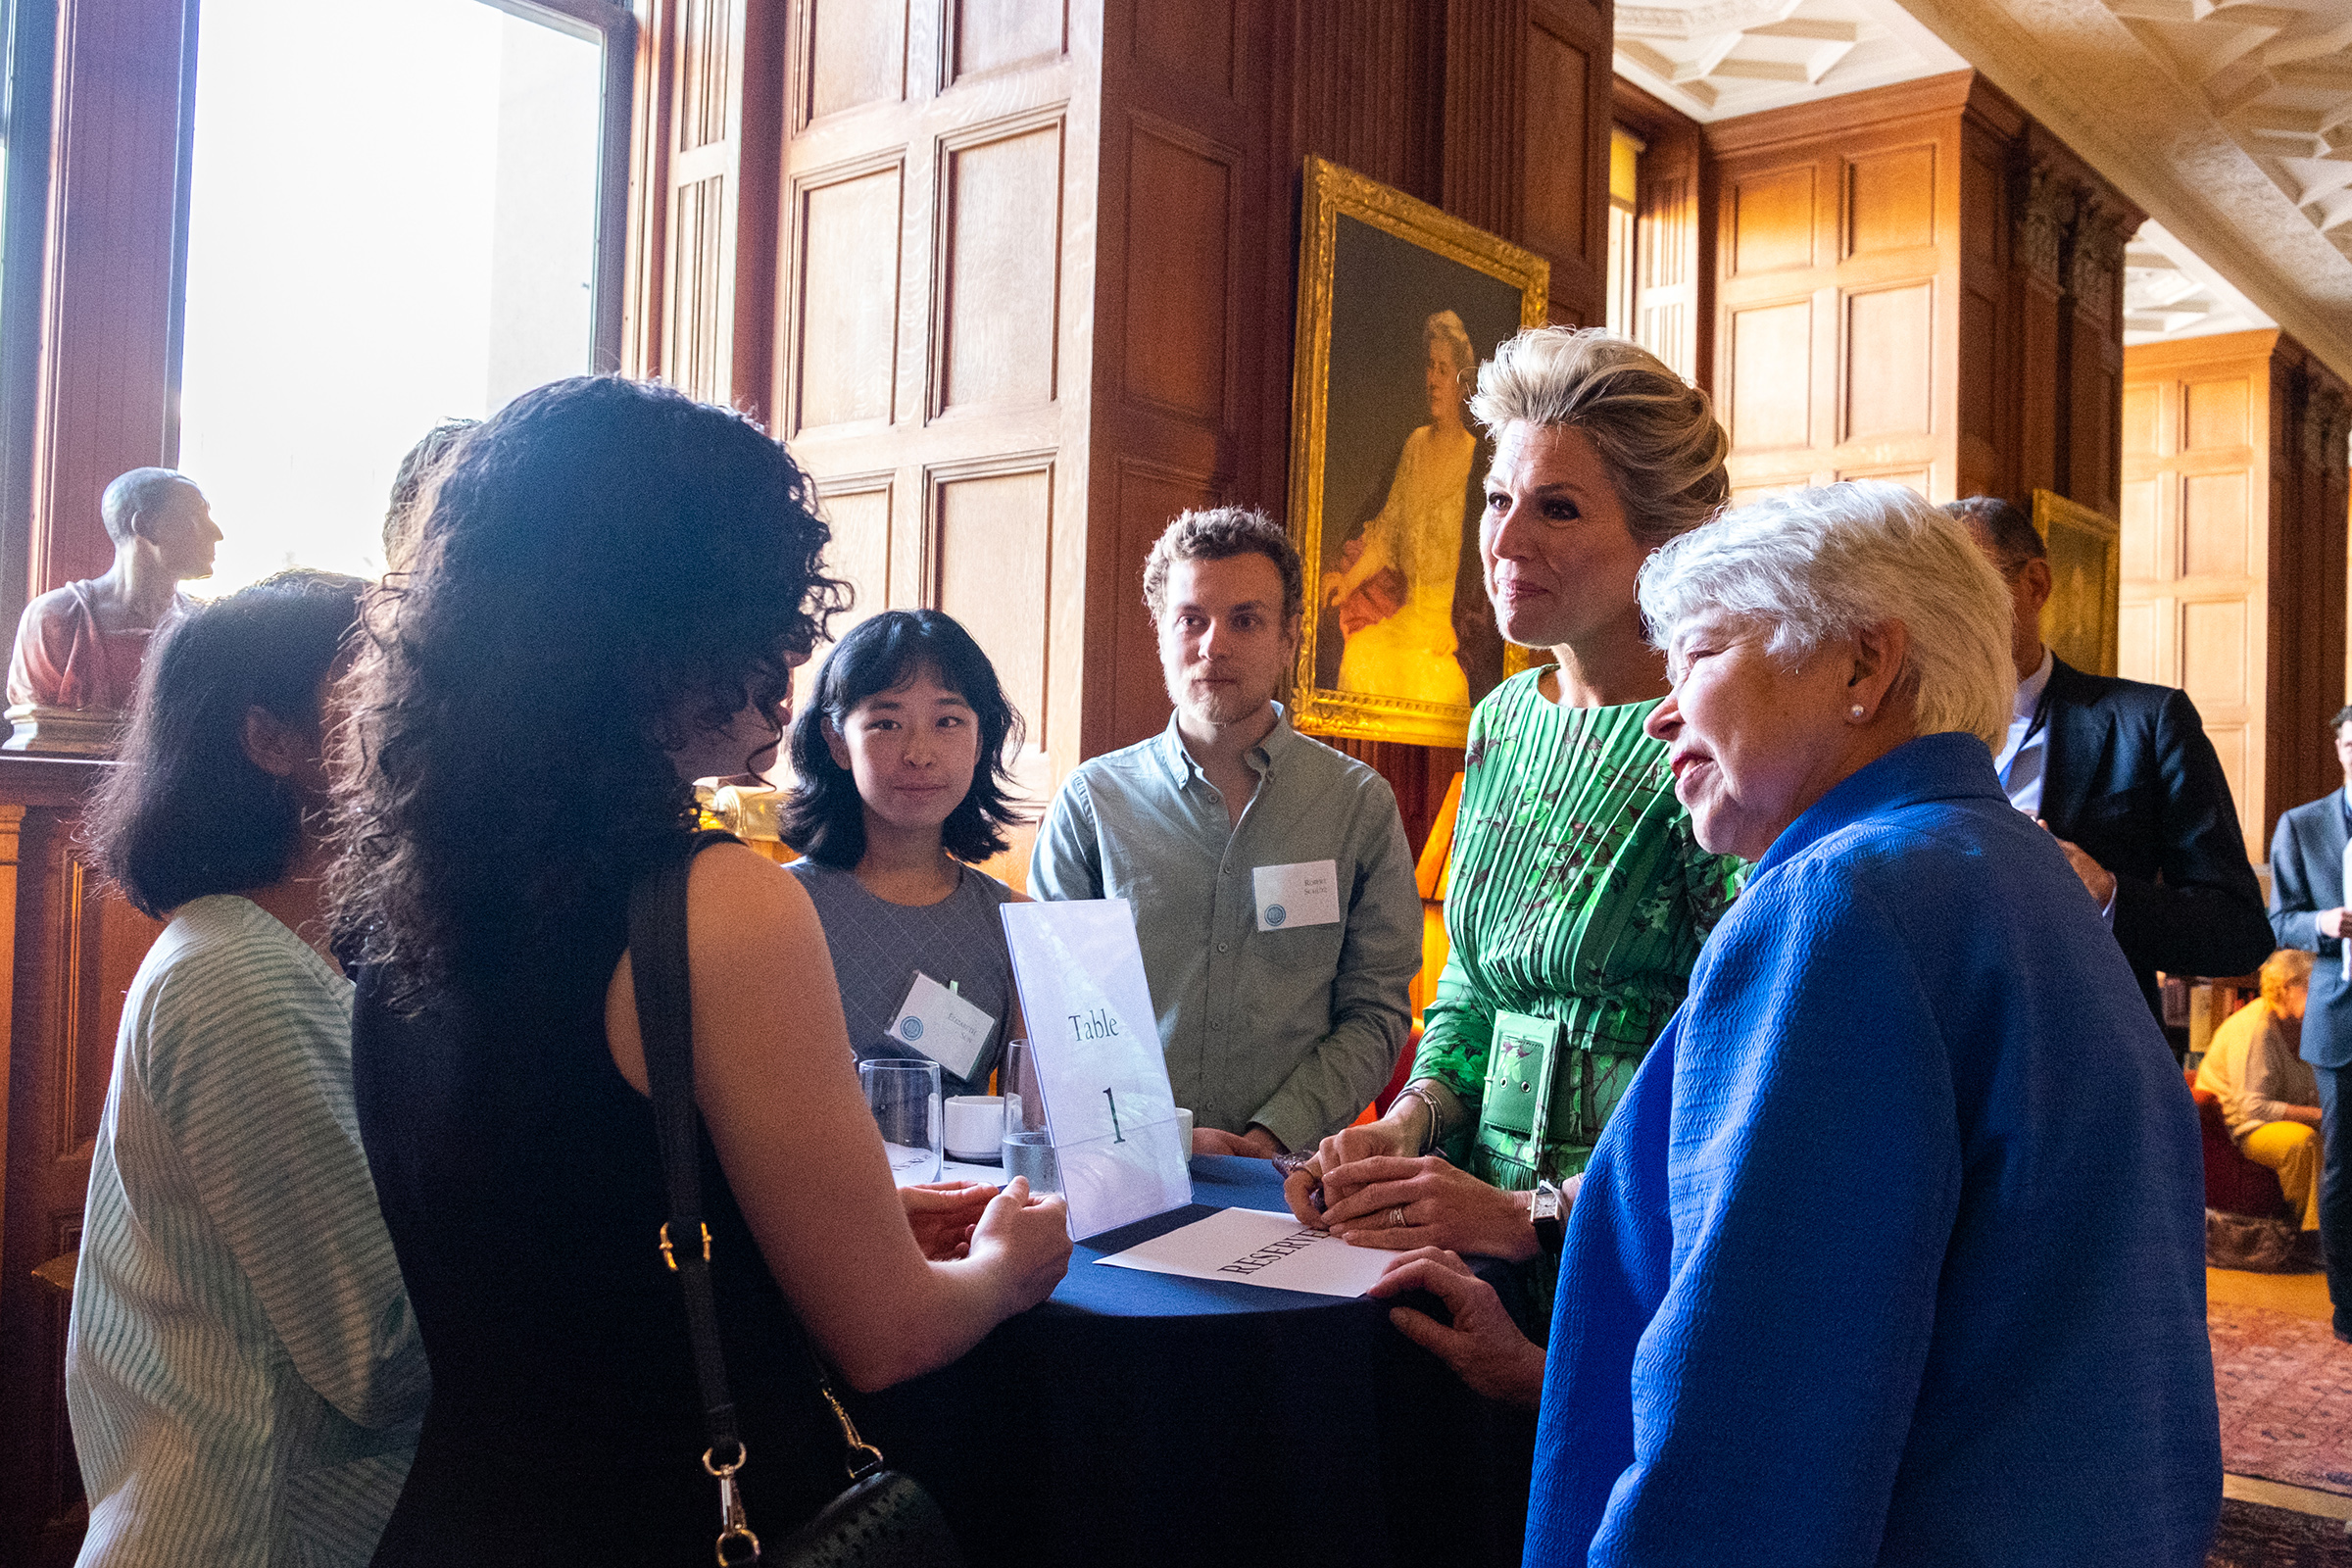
(1256, 1144)
(1484, 1347)
(943, 1214)
(1400, 1204)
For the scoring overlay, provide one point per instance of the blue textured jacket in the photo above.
(1893, 1253)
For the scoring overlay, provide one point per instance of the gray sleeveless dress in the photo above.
(879, 945)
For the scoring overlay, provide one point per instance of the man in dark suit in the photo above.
(2307, 911)
(2121, 774)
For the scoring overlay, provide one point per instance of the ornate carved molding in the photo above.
(2327, 421)
(2094, 262)
(2045, 208)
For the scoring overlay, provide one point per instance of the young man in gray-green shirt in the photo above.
(1270, 875)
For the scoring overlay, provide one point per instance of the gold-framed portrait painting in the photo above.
(1399, 303)
(2083, 621)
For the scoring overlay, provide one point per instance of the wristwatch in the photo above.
(1546, 1213)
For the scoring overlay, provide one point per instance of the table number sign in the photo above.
(1080, 976)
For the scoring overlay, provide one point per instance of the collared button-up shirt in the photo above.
(1296, 1028)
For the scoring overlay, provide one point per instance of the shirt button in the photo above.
(1218, 1024)
(1223, 946)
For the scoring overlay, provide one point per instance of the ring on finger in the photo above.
(1396, 1218)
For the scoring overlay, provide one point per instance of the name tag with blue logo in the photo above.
(1303, 892)
(942, 1025)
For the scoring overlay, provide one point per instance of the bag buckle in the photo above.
(736, 1545)
(671, 1259)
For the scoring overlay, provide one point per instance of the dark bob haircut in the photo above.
(608, 568)
(185, 811)
(824, 819)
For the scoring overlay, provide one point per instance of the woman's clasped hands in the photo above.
(1372, 1196)
(951, 1220)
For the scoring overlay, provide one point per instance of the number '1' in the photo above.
(1120, 1137)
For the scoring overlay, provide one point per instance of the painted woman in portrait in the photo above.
(1394, 589)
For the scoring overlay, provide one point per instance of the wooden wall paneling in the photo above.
(997, 273)
(987, 37)
(71, 948)
(102, 400)
(1674, 249)
(846, 54)
(941, 169)
(2198, 557)
(1186, 187)
(1866, 322)
(2309, 484)
(724, 108)
(1570, 101)
(1485, 75)
(846, 266)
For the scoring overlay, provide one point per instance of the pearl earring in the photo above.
(1856, 712)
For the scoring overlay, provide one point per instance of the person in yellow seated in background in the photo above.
(2268, 1092)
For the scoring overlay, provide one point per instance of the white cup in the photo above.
(976, 1128)
(1184, 1129)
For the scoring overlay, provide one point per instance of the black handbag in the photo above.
(885, 1519)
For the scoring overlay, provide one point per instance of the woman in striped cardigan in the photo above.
(243, 1372)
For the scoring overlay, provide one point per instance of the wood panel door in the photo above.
(2196, 544)
(934, 346)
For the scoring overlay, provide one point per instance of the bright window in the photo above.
(393, 220)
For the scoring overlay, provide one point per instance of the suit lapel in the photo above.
(2071, 747)
(2328, 830)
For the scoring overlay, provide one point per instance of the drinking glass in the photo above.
(904, 1097)
(1028, 1144)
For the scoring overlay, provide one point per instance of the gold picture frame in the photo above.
(1379, 275)
(2081, 621)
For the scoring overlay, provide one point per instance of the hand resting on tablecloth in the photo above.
(1390, 1202)
(943, 1215)
(1483, 1346)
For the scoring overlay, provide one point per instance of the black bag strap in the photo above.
(665, 1028)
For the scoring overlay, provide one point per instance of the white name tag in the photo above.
(1303, 892)
(942, 1025)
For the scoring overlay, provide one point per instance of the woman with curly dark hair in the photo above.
(902, 785)
(604, 605)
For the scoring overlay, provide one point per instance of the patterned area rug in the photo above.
(2285, 1389)
(2252, 1535)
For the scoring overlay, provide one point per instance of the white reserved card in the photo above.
(1099, 1061)
(1303, 892)
(1254, 1247)
(942, 1025)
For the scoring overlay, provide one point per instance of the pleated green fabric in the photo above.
(1577, 892)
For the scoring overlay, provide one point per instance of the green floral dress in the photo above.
(1577, 892)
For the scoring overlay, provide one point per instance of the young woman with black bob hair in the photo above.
(901, 757)
(603, 605)
(244, 1375)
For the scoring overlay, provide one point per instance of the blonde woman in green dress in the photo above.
(1578, 897)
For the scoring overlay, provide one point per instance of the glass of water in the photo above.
(904, 1097)
(1028, 1144)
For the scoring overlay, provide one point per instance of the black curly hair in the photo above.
(824, 819)
(609, 566)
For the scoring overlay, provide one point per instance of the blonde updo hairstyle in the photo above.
(1655, 431)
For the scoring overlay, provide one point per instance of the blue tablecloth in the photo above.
(1141, 1418)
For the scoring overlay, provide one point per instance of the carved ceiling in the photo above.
(1714, 59)
(2279, 78)
(2229, 125)
(2170, 293)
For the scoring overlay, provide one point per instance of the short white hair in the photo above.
(1821, 564)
